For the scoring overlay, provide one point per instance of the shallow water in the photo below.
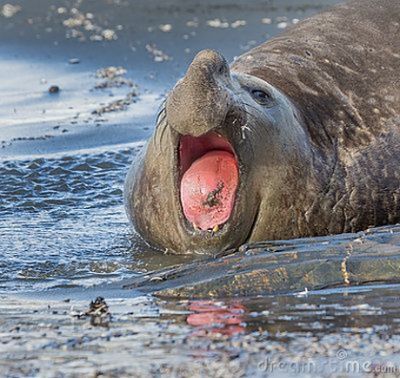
(62, 221)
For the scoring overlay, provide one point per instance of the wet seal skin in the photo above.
(299, 137)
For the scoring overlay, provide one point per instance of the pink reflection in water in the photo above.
(217, 317)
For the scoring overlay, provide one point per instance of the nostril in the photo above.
(208, 62)
(221, 69)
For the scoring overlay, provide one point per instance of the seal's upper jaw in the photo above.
(209, 179)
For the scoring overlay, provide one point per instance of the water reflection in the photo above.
(217, 317)
(355, 311)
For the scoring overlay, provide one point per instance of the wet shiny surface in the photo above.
(329, 333)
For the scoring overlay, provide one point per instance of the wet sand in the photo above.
(329, 333)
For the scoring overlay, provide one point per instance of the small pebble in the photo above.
(165, 28)
(54, 89)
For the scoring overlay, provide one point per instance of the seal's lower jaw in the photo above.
(209, 179)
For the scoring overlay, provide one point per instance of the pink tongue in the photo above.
(208, 189)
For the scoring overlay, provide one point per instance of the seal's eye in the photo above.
(263, 98)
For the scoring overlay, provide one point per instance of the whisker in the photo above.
(162, 105)
(162, 112)
(253, 120)
(158, 133)
(161, 118)
(162, 133)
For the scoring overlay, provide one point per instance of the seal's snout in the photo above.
(201, 100)
(208, 64)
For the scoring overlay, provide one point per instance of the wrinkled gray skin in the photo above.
(320, 155)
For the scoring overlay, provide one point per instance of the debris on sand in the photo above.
(114, 83)
(110, 72)
(117, 105)
(238, 24)
(10, 10)
(108, 34)
(217, 23)
(192, 23)
(83, 26)
(266, 21)
(282, 22)
(98, 312)
(113, 78)
(158, 55)
(165, 28)
(223, 24)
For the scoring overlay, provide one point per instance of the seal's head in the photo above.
(220, 168)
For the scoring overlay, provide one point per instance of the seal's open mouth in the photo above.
(209, 178)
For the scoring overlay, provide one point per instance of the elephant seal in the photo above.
(299, 137)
